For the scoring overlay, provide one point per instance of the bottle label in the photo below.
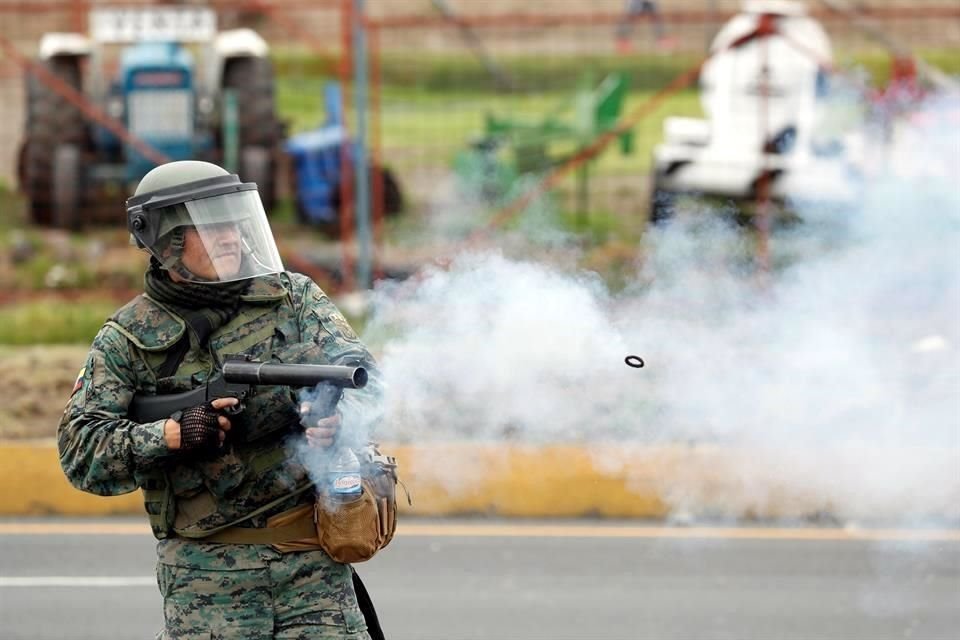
(346, 484)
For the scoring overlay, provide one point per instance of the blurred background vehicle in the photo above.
(178, 87)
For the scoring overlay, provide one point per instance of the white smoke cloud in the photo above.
(493, 348)
(840, 369)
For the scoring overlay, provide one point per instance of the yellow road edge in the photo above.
(610, 480)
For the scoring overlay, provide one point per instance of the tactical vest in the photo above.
(258, 475)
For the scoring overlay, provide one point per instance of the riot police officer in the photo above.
(227, 496)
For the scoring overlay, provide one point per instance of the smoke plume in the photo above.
(835, 376)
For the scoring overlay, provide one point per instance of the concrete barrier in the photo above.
(607, 480)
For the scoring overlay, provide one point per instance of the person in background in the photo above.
(635, 10)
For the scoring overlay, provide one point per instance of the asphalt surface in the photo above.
(450, 580)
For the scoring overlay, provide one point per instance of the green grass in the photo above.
(11, 212)
(49, 322)
(432, 127)
(426, 72)
(420, 73)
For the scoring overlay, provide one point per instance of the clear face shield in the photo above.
(222, 238)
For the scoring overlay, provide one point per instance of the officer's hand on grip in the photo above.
(200, 428)
(321, 432)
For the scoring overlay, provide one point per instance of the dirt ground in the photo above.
(35, 383)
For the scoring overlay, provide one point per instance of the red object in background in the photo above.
(902, 88)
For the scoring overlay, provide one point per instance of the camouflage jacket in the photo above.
(286, 319)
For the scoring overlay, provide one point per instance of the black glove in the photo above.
(199, 428)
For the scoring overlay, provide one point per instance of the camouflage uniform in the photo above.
(209, 589)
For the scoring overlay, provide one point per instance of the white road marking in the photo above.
(78, 581)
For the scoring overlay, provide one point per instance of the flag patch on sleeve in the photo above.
(79, 383)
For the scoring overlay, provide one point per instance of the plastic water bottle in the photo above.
(344, 475)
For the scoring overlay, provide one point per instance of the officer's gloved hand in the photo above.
(199, 428)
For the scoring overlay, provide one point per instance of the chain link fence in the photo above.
(447, 75)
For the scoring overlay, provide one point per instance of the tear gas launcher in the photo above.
(239, 378)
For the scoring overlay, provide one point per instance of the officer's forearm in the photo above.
(101, 456)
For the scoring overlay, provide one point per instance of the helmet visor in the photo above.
(226, 238)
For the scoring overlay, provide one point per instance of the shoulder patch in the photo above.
(345, 329)
(336, 325)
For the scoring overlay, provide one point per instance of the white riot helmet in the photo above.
(199, 204)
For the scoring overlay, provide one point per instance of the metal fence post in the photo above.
(361, 162)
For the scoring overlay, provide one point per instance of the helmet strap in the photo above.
(173, 262)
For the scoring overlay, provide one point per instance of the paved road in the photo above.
(453, 580)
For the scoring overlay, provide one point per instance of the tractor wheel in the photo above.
(392, 195)
(52, 121)
(67, 192)
(392, 198)
(256, 165)
(662, 205)
(252, 79)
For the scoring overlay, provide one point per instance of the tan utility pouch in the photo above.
(355, 531)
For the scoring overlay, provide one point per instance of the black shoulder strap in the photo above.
(366, 607)
(175, 356)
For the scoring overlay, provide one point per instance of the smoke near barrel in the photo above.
(837, 379)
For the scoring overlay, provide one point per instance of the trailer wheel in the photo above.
(252, 79)
(67, 192)
(52, 121)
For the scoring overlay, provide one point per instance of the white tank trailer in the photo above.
(763, 92)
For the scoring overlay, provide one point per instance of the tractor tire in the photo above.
(252, 79)
(68, 191)
(392, 195)
(52, 121)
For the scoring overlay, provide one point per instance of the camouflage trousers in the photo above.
(252, 592)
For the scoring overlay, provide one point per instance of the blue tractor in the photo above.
(317, 170)
(174, 83)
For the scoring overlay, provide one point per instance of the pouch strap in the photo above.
(302, 527)
(207, 535)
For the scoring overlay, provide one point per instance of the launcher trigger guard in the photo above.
(234, 409)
